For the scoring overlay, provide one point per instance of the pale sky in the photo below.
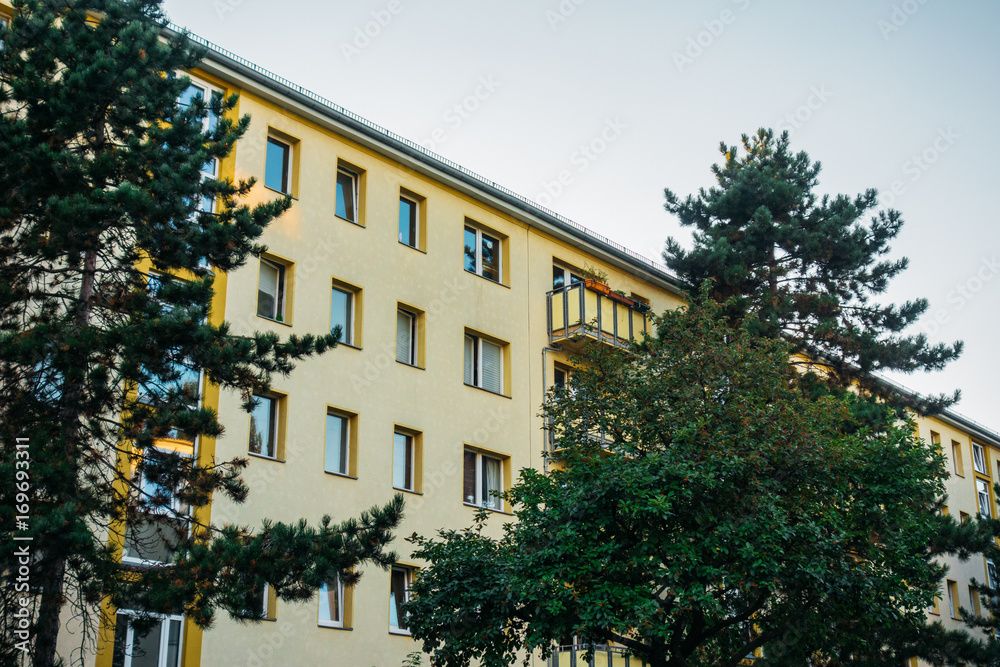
(621, 99)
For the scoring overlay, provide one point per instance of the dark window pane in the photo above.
(397, 596)
(345, 196)
(470, 249)
(469, 478)
(558, 277)
(276, 166)
(407, 222)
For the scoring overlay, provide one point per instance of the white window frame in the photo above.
(409, 462)
(289, 165)
(324, 596)
(408, 583)
(355, 193)
(983, 499)
(950, 585)
(352, 306)
(280, 290)
(479, 252)
(165, 620)
(207, 90)
(568, 276)
(979, 459)
(410, 358)
(477, 363)
(482, 499)
(275, 416)
(345, 436)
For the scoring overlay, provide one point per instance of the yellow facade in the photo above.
(429, 400)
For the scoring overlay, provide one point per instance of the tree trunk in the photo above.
(47, 625)
(54, 572)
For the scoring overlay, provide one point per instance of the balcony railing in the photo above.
(589, 310)
(575, 655)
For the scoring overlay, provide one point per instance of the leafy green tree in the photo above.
(101, 175)
(732, 515)
(809, 267)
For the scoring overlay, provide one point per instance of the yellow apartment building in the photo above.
(458, 300)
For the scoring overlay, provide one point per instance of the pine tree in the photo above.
(807, 266)
(100, 173)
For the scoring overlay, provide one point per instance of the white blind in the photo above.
(404, 337)
(470, 359)
(401, 478)
(492, 367)
(267, 290)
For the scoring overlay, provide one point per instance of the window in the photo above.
(201, 92)
(271, 286)
(347, 194)
(983, 498)
(406, 337)
(482, 479)
(408, 222)
(974, 604)
(560, 376)
(160, 646)
(342, 314)
(482, 253)
(953, 598)
(399, 593)
(964, 517)
(979, 459)
(991, 574)
(403, 458)
(162, 522)
(278, 166)
(265, 604)
(337, 459)
(956, 458)
(264, 425)
(331, 604)
(483, 364)
(561, 277)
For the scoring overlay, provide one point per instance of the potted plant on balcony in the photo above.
(596, 280)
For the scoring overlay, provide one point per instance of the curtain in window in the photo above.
(336, 444)
(330, 603)
(397, 596)
(492, 367)
(267, 291)
(469, 478)
(262, 427)
(402, 456)
(470, 360)
(404, 337)
(491, 483)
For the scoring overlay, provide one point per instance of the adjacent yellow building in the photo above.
(457, 300)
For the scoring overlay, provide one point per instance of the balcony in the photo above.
(591, 311)
(575, 655)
